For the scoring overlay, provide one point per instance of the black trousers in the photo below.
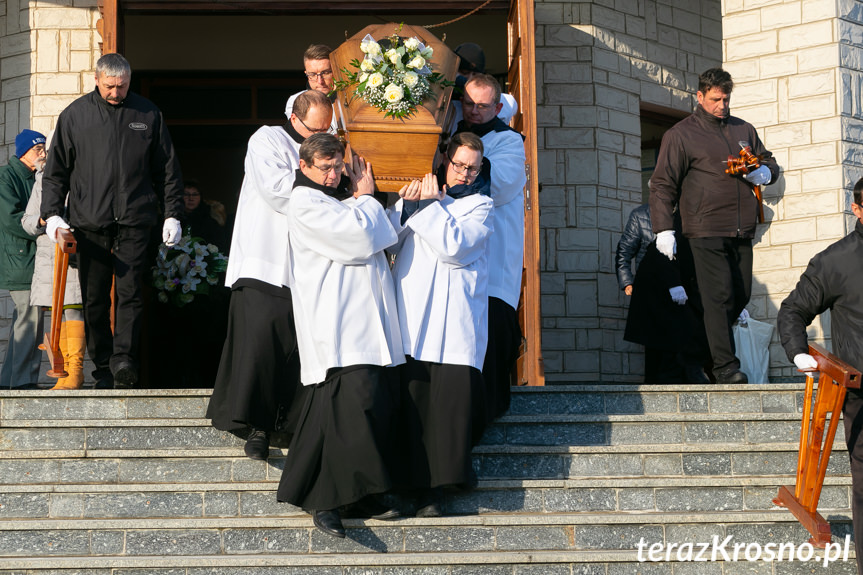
(723, 268)
(504, 338)
(121, 251)
(852, 411)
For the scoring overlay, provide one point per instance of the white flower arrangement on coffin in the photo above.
(187, 269)
(395, 76)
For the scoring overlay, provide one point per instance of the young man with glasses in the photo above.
(441, 276)
(832, 281)
(319, 73)
(21, 366)
(504, 148)
(348, 333)
(258, 385)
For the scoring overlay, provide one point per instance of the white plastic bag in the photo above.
(752, 341)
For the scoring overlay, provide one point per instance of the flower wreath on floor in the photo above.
(187, 269)
(395, 76)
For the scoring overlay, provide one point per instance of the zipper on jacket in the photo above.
(731, 152)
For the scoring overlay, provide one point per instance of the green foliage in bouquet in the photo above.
(187, 270)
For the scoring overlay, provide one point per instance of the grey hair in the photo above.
(113, 66)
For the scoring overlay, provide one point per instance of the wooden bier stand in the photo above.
(67, 245)
(835, 377)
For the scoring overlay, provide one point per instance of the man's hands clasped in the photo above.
(425, 189)
(360, 173)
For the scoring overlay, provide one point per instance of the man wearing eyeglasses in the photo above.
(441, 275)
(348, 333)
(832, 281)
(504, 148)
(258, 385)
(21, 366)
(319, 73)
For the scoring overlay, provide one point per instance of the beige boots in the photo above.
(72, 346)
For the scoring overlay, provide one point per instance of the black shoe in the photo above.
(125, 376)
(429, 503)
(695, 374)
(258, 445)
(329, 522)
(105, 383)
(730, 376)
(431, 510)
(370, 508)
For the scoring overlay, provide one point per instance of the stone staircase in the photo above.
(571, 481)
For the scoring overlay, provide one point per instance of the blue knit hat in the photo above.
(26, 140)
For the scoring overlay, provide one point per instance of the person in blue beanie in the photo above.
(18, 254)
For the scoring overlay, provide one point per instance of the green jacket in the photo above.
(17, 247)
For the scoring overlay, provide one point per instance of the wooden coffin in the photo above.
(400, 150)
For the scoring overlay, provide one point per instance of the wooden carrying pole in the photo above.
(835, 377)
(67, 245)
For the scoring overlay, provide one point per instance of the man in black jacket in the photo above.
(718, 210)
(833, 281)
(112, 155)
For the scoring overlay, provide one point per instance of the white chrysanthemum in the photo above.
(411, 79)
(376, 80)
(412, 43)
(394, 93)
(367, 65)
(417, 63)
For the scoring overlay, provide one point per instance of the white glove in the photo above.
(805, 362)
(759, 177)
(53, 224)
(171, 231)
(743, 318)
(666, 244)
(678, 295)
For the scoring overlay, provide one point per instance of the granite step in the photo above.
(297, 536)
(549, 400)
(251, 500)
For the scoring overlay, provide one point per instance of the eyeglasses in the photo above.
(40, 150)
(481, 107)
(337, 167)
(462, 168)
(313, 130)
(318, 75)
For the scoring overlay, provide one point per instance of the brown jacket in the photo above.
(690, 170)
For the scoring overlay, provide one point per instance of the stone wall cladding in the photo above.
(597, 62)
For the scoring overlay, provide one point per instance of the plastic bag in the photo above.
(752, 341)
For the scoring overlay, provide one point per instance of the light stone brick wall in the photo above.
(597, 62)
(797, 69)
(47, 54)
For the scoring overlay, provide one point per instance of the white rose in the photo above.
(375, 80)
(417, 63)
(372, 48)
(363, 77)
(393, 56)
(412, 44)
(411, 79)
(394, 93)
(367, 65)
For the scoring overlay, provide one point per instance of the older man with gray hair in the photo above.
(114, 159)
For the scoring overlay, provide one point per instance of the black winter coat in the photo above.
(116, 163)
(633, 243)
(833, 281)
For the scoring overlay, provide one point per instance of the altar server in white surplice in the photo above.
(441, 274)
(348, 332)
(258, 385)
